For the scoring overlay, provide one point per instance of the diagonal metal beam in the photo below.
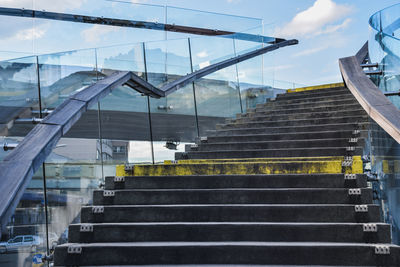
(181, 82)
(29, 13)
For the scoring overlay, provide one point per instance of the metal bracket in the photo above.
(356, 132)
(350, 177)
(361, 208)
(108, 193)
(203, 139)
(129, 168)
(86, 228)
(354, 192)
(382, 250)
(194, 146)
(98, 209)
(353, 140)
(74, 249)
(119, 179)
(347, 161)
(370, 227)
(350, 148)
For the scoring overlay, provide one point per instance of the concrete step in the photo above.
(254, 253)
(333, 213)
(246, 166)
(282, 136)
(337, 142)
(307, 99)
(275, 152)
(236, 181)
(326, 108)
(318, 89)
(314, 93)
(291, 129)
(232, 196)
(280, 106)
(298, 122)
(296, 116)
(228, 232)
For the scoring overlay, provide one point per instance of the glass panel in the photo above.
(18, 94)
(173, 117)
(210, 20)
(124, 113)
(73, 170)
(384, 49)
(385, 174)
(250, 76)
(64, 74)
(24, 240)
(217, 94)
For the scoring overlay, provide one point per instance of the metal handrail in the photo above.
(42, 14)
(18, 167)
(374, 102)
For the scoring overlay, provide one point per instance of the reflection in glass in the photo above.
(25, 237)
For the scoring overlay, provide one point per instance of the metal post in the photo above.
(99, 122)
(237, 78)
(46, 211)
(194, 90)
(38, 86)
(148, 105)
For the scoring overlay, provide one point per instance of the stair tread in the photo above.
(225, 243)
(230, 223)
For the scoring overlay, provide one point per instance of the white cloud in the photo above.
(316, 20)
(96, 32)
(310, 51)
(202, 54)
(335, 28)
(30, 34)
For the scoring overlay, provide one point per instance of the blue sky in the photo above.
(326, 29)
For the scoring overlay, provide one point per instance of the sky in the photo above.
(326, 29)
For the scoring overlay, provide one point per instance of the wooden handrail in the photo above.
(374, 102)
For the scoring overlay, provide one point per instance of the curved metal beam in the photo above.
(181, 82)
(17, 168)
(374, 102)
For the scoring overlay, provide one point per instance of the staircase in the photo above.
(282, 184)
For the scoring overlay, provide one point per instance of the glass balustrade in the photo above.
(384, 158)
(125, 127)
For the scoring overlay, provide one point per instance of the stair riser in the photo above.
(228, 254)
(279, 106)
(226, 213)
(298, 152)
(229, 232)
(319, 121)
(310, 99)
(302, 129)
(154, 197)
(324, 92)
(326, 108)
(275, 145)
(258, 117)
(238, 181)
(279, 137)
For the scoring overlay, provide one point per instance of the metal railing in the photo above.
(374, 102)
(18, 167)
